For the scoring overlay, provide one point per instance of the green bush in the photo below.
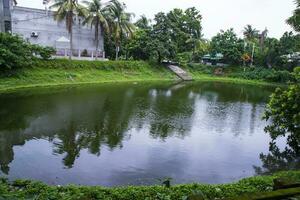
(44, 52)
(36, 190)
(184, 58)
(249, 73)
(284, 111)
(280, 77)
(16, 53)
(201, 68)
(260, 73)
(296, 73)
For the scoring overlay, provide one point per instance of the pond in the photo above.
(133, 133)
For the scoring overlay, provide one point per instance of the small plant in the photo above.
(84, 53)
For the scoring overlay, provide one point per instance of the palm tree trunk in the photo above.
(117, 49)
(97, 37)
(117, 52)
(71, 43)
(70, 29)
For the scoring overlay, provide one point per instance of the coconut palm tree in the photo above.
(143, 22)
(120, 22)
(250, 33)
(66, 10)
(98, 17)
(294, 20)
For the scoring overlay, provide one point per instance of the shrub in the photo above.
(280, 77)
(201, 68)
(260, 73)
(44, 52)
(184, 58)
(16, 53)
(37, 190)
(296, 73)
(284, 111)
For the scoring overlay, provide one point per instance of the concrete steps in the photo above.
(180, 73)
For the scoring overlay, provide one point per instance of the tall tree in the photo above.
(186, 28)
(163, 45)
(97, 16)
(143, 23)
(66, 10)
(294, 20)
(120, 22)
(250, 33)
(228, 44)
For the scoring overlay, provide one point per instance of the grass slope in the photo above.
(64, 72)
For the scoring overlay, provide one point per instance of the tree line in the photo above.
(177, 35)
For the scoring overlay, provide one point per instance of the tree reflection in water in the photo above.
(284, 112)
(280, 160)
(77, 119)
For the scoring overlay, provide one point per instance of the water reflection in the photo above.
(163, 123)
(283, 155)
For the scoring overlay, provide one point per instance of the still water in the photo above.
(133, 134)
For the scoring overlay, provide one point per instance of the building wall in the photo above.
(5, 15)
(25, 21)
(1, 16)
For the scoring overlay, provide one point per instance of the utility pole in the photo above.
(245, 45)
(252, 56)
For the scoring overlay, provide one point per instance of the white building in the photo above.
(38, 26)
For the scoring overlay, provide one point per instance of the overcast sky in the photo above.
(217, 14)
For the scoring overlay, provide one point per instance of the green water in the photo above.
(121, 134)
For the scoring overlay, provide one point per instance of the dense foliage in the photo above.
(249, 73)
(177, 36)
(294, 20)
(16, 53)
(228, 44)
(171, 33)
(284, 110)
(39, 191)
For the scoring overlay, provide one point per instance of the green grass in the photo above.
(64, 72)
(205, 77)
(35, 190)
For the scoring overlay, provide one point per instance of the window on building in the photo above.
(7, 26)
(6, 4)
(6, 7)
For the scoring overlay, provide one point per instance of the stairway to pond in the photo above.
(182, 74)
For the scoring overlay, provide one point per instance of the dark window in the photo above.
(7, 26)
(6, 4)
(6, 8)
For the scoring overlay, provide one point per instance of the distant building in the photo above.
(214, 60)
(38, 26)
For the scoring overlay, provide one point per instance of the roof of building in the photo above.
(63, 39)
(217, 56)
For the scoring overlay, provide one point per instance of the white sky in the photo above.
(217, 14)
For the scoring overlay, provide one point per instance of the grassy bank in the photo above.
(65, 72)
(37, 190)
(238, 74)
